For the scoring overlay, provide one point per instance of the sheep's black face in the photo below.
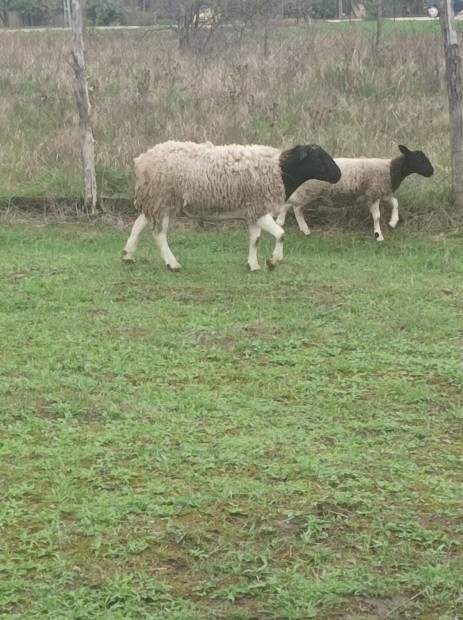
(319, 165)
(302, 163)
(416, 161)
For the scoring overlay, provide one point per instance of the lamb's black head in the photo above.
(416, 161)
(309, 161)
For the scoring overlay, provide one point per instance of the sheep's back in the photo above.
(236, 177)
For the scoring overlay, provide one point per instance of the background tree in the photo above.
(32, 12)
(453, 73)
(83, 106)
(5, 7)
(393, 8)
(104, 12)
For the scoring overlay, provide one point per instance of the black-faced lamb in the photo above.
(363, 180)
(252, 181)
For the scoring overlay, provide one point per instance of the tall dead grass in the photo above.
(328, 87)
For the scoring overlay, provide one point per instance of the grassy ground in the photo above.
(220, 444)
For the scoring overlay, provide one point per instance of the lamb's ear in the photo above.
(403, 149)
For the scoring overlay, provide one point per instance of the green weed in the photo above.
(220, 444)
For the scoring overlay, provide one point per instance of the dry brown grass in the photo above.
(325, 86)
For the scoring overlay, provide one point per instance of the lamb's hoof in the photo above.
(174, 267)
(393, 223)
(306, 233)
(252, 267)
(127, 258)
(379, 237)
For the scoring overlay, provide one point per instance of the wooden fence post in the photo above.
(453, 73)
(84, 107)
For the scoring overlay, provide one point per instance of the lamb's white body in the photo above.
(206, 180)
(209, 179)
(363, 180)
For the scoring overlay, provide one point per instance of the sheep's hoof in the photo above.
(270, 264)
(393, 223)
(173, 267)
(126, 257)
(252, 267)
(379, 237)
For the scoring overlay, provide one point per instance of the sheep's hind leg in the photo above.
(254, 234)
(267, 223)
(160, 236)
(132, 242)
(375, 212)
(280, 220)
(299, 215)
(395, 212)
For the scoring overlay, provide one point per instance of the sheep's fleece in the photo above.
(209, 179)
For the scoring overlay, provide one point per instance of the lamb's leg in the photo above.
(301, 221)
(160, 236)
(282, 215)
(395, 212)
(254, 234)
(374, 210)
(132, 242)
(267, 223)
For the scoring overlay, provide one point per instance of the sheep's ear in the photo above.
(403, 149)
(303, 152)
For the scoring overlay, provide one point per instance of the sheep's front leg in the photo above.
(132, 242)
(267, 223)
(301, 221)
(160, 236)
(299, 218)
(395, 212)
(374, 210)
(254, 234)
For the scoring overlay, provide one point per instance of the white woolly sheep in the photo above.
(368, 181)
(251, 181)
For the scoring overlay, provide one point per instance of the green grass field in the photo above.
(221, 444)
